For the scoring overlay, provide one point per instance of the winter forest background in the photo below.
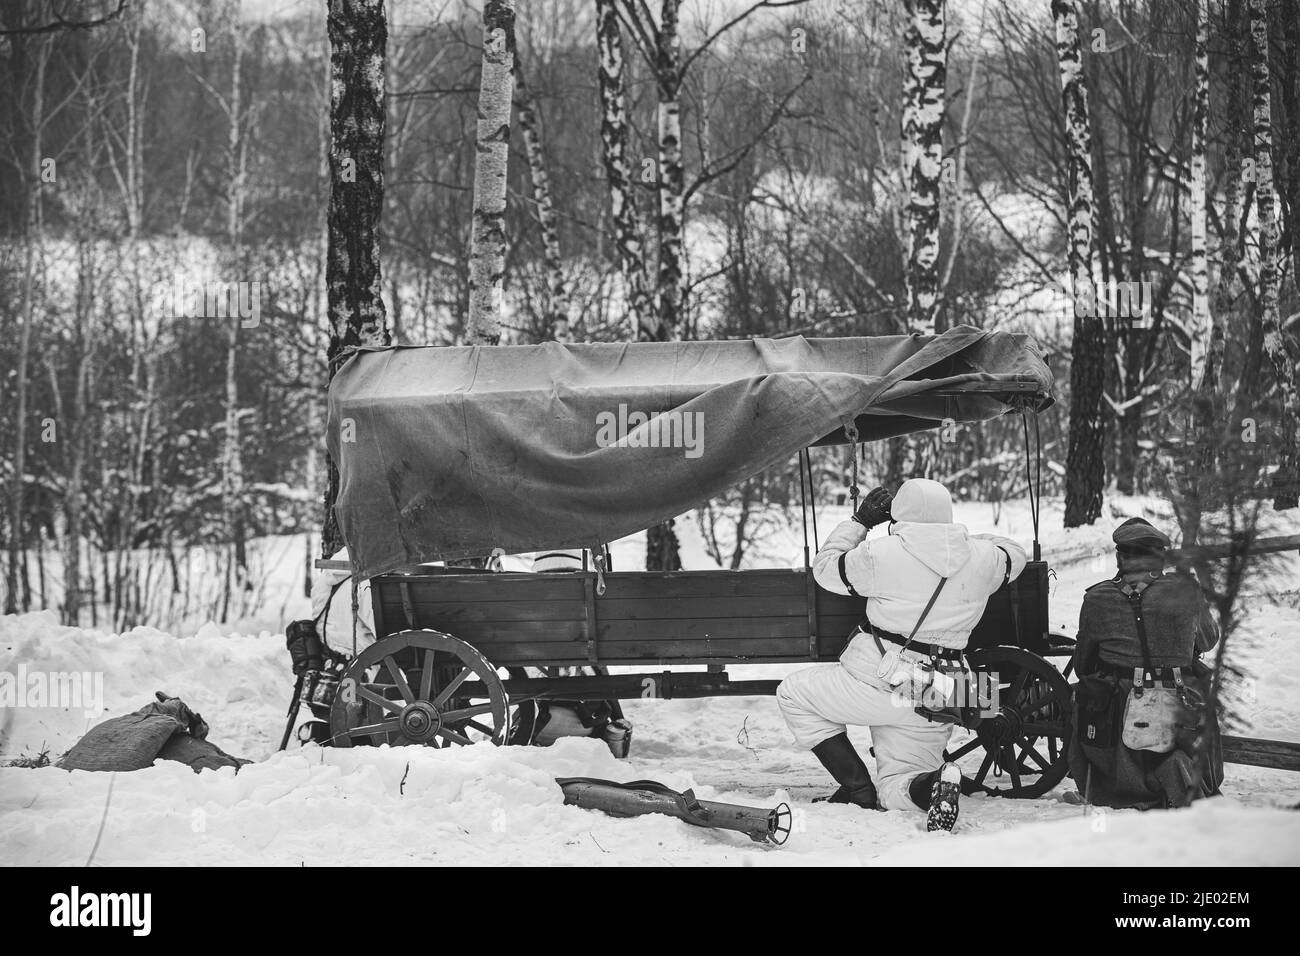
(1125, 186)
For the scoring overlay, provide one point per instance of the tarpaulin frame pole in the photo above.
(1033, 483)
(812, 495)
(803, 510)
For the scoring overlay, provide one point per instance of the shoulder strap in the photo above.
(1006, 575)
(1134, 595)
(929, 604)
(323, 617)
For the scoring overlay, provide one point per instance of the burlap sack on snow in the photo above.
(136, 740)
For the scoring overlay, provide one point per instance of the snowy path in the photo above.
(499, 805)
(485, 805)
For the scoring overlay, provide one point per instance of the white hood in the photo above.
(922, 511)
(943, 548)
(923, 501)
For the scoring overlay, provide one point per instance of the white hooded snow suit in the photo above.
(897, 574)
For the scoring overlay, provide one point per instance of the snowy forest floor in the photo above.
(485, 805)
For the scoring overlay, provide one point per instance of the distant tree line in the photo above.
(811, 168)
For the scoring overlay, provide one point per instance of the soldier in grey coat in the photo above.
(1176, 619)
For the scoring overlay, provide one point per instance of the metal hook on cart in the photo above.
(599, 558)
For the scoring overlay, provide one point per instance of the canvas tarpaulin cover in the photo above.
(453, 452)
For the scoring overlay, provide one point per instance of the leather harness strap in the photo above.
(1145, 673)
(1006, 576)
(844, 577)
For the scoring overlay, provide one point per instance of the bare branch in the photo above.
(738, 18)
(61, 22)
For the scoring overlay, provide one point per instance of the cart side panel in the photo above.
(837, 616)
(1016, 613)
(684, 616)
(672, 617)
(511, 618)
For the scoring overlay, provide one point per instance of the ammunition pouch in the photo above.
(1100, 706)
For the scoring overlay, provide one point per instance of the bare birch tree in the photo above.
(1201, 332)
(557, 306)
(618, 177)
(236, 111)
(1273, 341)
(671, 283)
(1229, 252)
(964, 132)
(487, 254)
(33, 248)
(358, 33)
(926, 50)
(1085, 473)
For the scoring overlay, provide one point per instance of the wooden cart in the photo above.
(452, 643)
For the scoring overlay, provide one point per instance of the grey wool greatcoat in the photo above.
(1179, 627)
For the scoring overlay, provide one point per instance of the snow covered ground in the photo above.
(489, 805)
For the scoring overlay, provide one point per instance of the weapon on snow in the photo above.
(647, 796)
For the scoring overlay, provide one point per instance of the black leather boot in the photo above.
(842, 762)
(938, 792)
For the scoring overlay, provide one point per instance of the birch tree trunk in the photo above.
(358, 33)
(75, 429)
(923, 111)
(670, 286)
(618, 177)
(33, 246)
(232, 464)
(487, 253)
(1274, 341)
(1207, 326)
(557, 306)
(1290, 87)
(1085, 473)
(1202, 330)
(1229, 245)
(957, 199)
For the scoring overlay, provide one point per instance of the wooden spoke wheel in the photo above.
(1023, 748)
(402, 691)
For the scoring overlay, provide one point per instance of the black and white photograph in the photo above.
(649, 433)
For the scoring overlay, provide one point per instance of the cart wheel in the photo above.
(401, 691)
(1026, 742)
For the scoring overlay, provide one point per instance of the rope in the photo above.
(851, 433)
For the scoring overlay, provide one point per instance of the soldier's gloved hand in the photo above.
(874, 508)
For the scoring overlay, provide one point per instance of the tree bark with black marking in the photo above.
(358, 34)
(1085, 470)
(1275, 345)
(618, 175)
(487, 253)
(671, 284)
(556, 306)
(926, 51)
(1202, 331)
